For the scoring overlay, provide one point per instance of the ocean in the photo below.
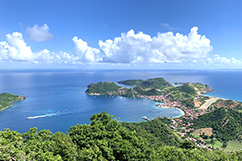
(56, 99)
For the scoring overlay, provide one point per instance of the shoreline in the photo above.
(182, 112)
(6, 107)
(11, 103)
(166, 107)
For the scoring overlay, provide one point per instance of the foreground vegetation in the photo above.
(105, 139)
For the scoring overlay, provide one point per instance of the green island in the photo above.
(149, 87)
(210, 129)
(6, 100)
(208, 122)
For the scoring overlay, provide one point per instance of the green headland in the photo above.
(6, 100)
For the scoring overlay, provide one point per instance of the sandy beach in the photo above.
(182, 112)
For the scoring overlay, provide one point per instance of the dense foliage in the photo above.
(226, 123)
(104, 139)
(184, 91)
(7, 98)
(130, 93)
(150, 92)
(157, 83)
(132, 82)
(187, 88)
(102, 87)
(157, 130)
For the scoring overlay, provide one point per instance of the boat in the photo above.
(145, 118)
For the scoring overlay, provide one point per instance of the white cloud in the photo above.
(165, 47)
(84, 52)
(129, 48)
(39, 33)
(222, 61)
(15, 48)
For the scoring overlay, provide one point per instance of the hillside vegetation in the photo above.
(132, 82)
(157, 130)
(104, 139)
(149, 87)
(102, 87)
(157, 83)
(227, 103)
(6, 99)
(226, 124)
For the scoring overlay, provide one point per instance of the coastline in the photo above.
(6, 107)
(182, 112)
(166, 107)
(11, 103)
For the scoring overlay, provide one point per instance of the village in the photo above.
(188, 100)
(183, 125)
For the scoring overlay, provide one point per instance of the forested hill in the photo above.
(6, 100)
(149, 87)
(155, 131)
(104, 139)
(102, 88)
(157, 83)
(226, 123)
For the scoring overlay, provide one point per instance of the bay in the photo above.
(57, 99)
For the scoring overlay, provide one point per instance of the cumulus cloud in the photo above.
(165, 47)
(39, 33)
(15, 48)
(84, 52)
(129, 48)
(217, 60)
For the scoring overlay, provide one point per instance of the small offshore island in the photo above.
(7, 100)
(198, 123)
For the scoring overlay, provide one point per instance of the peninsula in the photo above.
(7, 100)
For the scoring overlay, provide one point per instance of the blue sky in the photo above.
(140, 34)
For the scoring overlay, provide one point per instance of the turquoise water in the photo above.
(56, 100)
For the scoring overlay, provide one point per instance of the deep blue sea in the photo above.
(58, 97)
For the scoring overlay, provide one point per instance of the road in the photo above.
(208, 103)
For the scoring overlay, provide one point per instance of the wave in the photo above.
(46, 115)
